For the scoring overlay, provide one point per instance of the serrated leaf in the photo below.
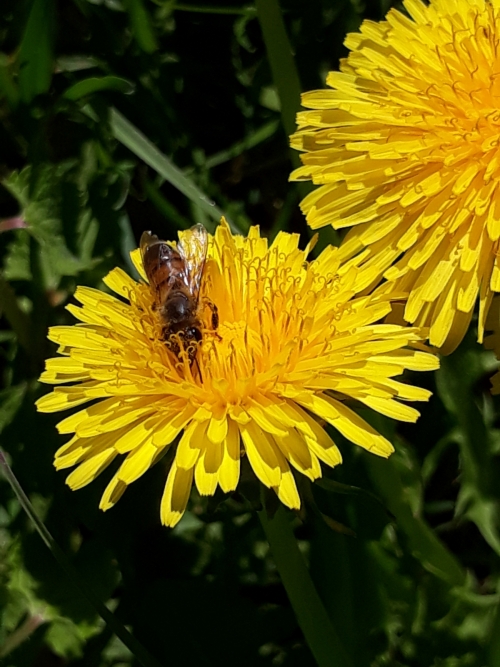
(40, 197)
(67, 639)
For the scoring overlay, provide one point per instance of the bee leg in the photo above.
(195, 363)
(215, 313)
(215, 316)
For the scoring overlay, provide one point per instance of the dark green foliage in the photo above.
(123, 115)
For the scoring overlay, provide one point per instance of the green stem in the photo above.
(313, 619)
(142, 655)
(24, 632)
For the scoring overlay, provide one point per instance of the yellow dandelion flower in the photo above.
(406, 150)
(291, 343)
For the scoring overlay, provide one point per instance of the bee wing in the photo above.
(147, 240)
(193, 246)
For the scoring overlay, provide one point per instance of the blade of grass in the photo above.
(141, 146)
(313, 619)
(139, 651)
(284, 72)
(279, 53)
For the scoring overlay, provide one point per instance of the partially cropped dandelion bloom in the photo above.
(405, 147)
(292, 342)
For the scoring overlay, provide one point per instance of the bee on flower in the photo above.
(270, 346)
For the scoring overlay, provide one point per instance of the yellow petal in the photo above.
(176, 495)
(229, 472)
(287, 491)
(90, 469)
(263, 454)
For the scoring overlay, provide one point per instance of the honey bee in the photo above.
(175, 275)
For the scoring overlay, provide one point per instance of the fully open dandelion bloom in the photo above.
(406, 150)
(292, 342)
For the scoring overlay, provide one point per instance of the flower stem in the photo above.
(313, 619)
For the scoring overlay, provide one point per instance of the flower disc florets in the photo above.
(291, 343)
(406, 148)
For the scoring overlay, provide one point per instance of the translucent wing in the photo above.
(192, 247)
(147, 240)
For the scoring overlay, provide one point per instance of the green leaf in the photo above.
(347, 578)
(35, 52)
(98, 83)
(65, 638)
(494, 645)
(141, 25)
(10, 401)
(424, 544)
(39, 194)
(479, 497)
